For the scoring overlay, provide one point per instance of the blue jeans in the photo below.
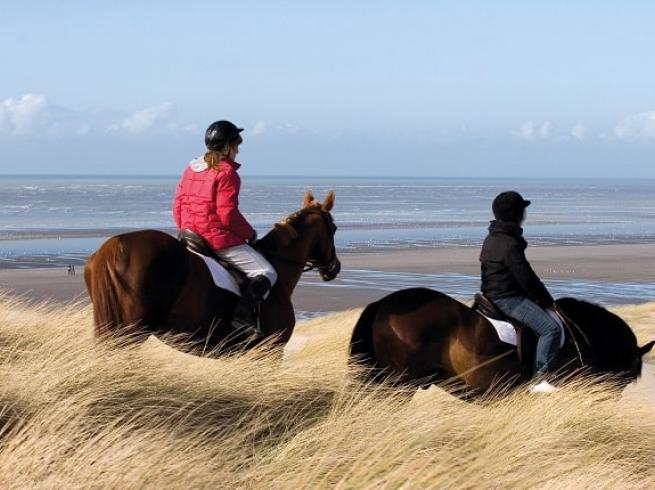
(533, 316)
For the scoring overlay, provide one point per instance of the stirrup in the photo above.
(247, 327)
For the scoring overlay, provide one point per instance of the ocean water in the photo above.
(50, 221)
(370, 213)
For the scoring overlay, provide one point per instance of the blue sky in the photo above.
(325, 88)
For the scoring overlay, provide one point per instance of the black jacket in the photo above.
(505, 270)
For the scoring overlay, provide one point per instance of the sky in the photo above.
(368, 88)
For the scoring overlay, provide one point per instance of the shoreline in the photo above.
(571, 258)
(607, 262)
(629, 264)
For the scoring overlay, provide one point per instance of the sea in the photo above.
(53, 221)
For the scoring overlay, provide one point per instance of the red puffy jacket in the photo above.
(207, 202)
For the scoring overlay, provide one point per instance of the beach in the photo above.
(598, 265)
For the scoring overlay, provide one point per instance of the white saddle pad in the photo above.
(222, 278)
(507, 332)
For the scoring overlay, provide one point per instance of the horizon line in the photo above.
(305, 176)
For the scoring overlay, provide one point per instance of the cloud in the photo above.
(579, 131)
(264, 127)
(34, 114)
(259, 128)
(155, 117)
(530, 131)
(640, 126)
(288, 128)
(527, 130)
(27, 114)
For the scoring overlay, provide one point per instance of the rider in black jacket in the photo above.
(511, 283)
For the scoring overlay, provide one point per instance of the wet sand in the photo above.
(613, 263)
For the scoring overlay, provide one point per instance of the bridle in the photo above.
(328, 267)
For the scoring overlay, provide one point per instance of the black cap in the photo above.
(219, 133)
(509, 206)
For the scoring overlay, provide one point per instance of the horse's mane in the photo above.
(596, 317)
(286, 231)
(580, 303)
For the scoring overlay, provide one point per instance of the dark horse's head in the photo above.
(308, 235)
(612, 341)
(323, 254)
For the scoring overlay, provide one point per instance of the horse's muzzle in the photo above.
(331, 271)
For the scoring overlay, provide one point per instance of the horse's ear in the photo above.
(285, 233)
(309, 198)
(328, 204)
(646, 348)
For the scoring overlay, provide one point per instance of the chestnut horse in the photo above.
(147, 283)
(416, 337)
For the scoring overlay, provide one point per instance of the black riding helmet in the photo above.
(509, 206)
(220, 133)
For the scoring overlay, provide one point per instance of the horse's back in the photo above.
(410, 299)
(412, 330)
(422, 334)
(424, 309)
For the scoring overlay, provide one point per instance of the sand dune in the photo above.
(80, 415)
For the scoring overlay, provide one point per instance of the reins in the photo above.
(481, 365)
(309, 264)
(568, 322)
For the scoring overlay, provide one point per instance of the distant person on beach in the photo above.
(70, 269)
(207, 203)
(513, 286)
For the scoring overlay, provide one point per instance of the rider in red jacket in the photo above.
(207, 203)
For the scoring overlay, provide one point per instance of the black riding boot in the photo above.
(246, 314)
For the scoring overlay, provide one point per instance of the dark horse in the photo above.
(147, 282)
(416, 337)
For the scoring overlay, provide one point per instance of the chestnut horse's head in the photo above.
(312, 229)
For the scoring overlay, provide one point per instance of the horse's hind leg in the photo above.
(129, 325)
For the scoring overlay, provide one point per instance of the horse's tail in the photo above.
(362, 354)
(103, 286)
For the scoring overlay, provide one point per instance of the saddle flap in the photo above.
(513, 332)
(219, 274)
(485, 306)
(196, 243)
(199, 245)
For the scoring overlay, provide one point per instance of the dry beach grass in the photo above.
(75, 414)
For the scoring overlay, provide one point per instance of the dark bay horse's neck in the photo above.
(289, 261)
(288, 273)
(577, 315)
(278, 314)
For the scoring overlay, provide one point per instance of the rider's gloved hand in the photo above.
(253, 239)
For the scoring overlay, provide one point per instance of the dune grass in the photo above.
(75, 414)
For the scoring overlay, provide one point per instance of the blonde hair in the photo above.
(213, 159)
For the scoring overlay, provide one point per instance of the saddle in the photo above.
(197, 244)
(526, 339)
